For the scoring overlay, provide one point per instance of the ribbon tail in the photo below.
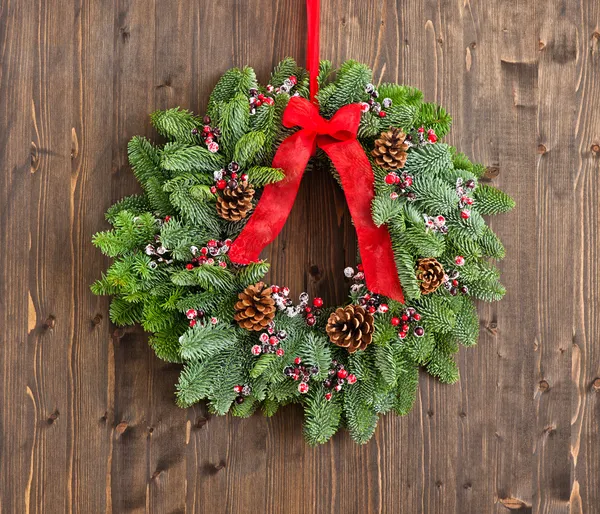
(374, 243)
(276, 201)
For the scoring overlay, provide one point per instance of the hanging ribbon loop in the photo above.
(337, 138)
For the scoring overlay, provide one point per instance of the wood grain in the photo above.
(87, 420)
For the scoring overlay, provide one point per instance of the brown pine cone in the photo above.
(255, 308)
(390, 149)
(234, 204)
(430, 274)
(350, 327)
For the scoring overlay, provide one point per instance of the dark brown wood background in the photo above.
(87, 420)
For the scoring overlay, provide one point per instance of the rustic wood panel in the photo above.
(87, 420)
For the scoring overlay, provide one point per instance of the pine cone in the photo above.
(234, 204)
(350, 327)
(390, 149)
(430, 274)
(255, 308)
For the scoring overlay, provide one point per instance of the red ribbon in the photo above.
(313, 10)
(337, 138)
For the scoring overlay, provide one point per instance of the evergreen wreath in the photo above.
(246, 345)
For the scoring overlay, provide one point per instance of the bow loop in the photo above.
(343, 126)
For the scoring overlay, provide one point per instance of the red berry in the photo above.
(303, 387)
(273, 340)
(221, 184)
(275, 289)
(261, 97)
(311, 321)
(390, 178)
(342, 373)
(189, 266)
(421, 130)
(237, 389)
(432, 138)
(401, 335)
(204, 250)
(465, 215)
(192, 323)
(258, 103)
(408, 181)
(372, 309)
(351, 378)
(360, 267)
(404, 317)
(455, 282)
(167, 219)
(297, 360)
(384, 308)
(256, 349)
(307, 309)
(212, 243)
(395, 321)
(318, 302)
(293, 80)
(279, 352)
(328, 396)
(191, 313)
(459, 260)
(416, 317)
(382, 114)
(404, 328)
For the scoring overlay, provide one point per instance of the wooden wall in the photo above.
(87, 420)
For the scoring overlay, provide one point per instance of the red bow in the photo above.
(337, 138)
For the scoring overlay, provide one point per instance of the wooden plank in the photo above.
(129, 418)
(21, 419)
(514, 342)
(585, 368)
(558, 49)
(90, 353)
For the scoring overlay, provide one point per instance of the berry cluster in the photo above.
(338, 376)
(358, 277)
(372, 303)
(270, 342)
(284, 303)
(198, 316)
(209, 135)
(402, 182)
(435, 224)
(207, 254)
(452, 284)
(301, 372)
(423, 138)
(158, 252)
(373, 105)
(464, 200)
(256, 99)
(228, 177)
(242, 391)
(408, 317)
